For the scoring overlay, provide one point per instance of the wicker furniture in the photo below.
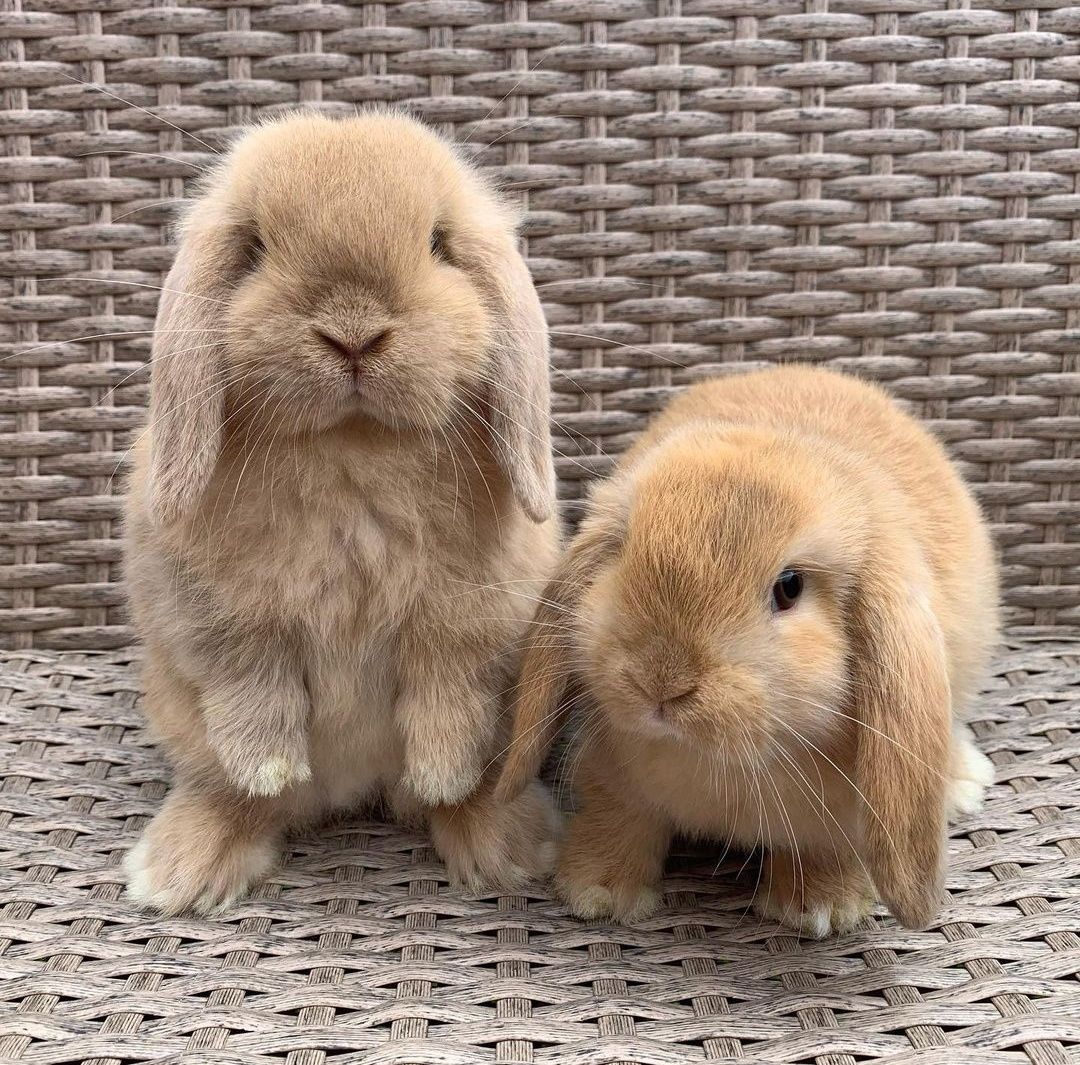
(357, 951)
(886, 186)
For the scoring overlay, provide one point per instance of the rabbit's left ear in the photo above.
(520, 394)
(902, 700)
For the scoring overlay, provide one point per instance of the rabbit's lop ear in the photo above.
(519, 389)
(902, 701)
(547, 663)
(186, 401)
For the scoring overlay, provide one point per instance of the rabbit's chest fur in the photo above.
(791, 801)
(340, 560)
(340, 548)
(335, 560)
(326, 549)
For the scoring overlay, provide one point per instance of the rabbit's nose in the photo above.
(356, 353)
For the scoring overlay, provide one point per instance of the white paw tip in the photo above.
(815, 923)
(274, 775)
(138, 876)
(514, 876)
(592, 902)
(980, 768)
(971, 764)
(212, 905)
(644, 903)
(435, 789)
(965, 797)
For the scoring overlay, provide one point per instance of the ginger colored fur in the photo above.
(342, 508)
(830, 733)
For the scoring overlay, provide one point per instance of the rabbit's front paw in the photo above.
(816, 901)
(818, 918)
(264, 771)
(272, 776)
(612, 863)
(440, 782)
(626, 902)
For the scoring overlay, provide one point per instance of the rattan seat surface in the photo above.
(886, 187)
(357, 950)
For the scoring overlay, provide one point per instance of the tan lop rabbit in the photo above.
(346, 484)
(780, 606)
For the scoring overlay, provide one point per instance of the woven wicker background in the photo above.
(888, 186)
(357, 951)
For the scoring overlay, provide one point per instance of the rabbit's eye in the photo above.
(787, 589)
(438, 244)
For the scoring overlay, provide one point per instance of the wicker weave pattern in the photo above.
(358, 948)
(888, 186)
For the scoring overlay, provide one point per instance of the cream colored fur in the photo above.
(331, 562)
(830, 733)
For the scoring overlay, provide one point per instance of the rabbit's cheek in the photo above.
(809, 678)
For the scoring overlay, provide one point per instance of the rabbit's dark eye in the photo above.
(787, 589)
(438, 244)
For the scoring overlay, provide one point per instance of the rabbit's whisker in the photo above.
(607, 277)
(742, 792)
(870, 728)
(139, 284)
(524, 429)
(858, 791)
(509, 92)
(240, 409)
(620, 344)
(148, 365)
(480, 586)
(554, 673)
(527, 734)
(562, 608)
(788, 826)
(267, 488)
(479, 470)
(99, 336)
(840, 828)
(221, 389)
(553, 421)
(146, 207)
(576, 748)
(146, 155)
(819, 796)
(139, 107)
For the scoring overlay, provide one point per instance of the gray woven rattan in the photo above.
(357, 951)
(888, 186)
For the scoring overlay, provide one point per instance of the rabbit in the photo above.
(780, 607)
(342, 506)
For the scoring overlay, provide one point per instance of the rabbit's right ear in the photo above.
(186, 385)
(546, 665)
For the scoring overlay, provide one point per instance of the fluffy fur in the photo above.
(342, 506)
(829, 733)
